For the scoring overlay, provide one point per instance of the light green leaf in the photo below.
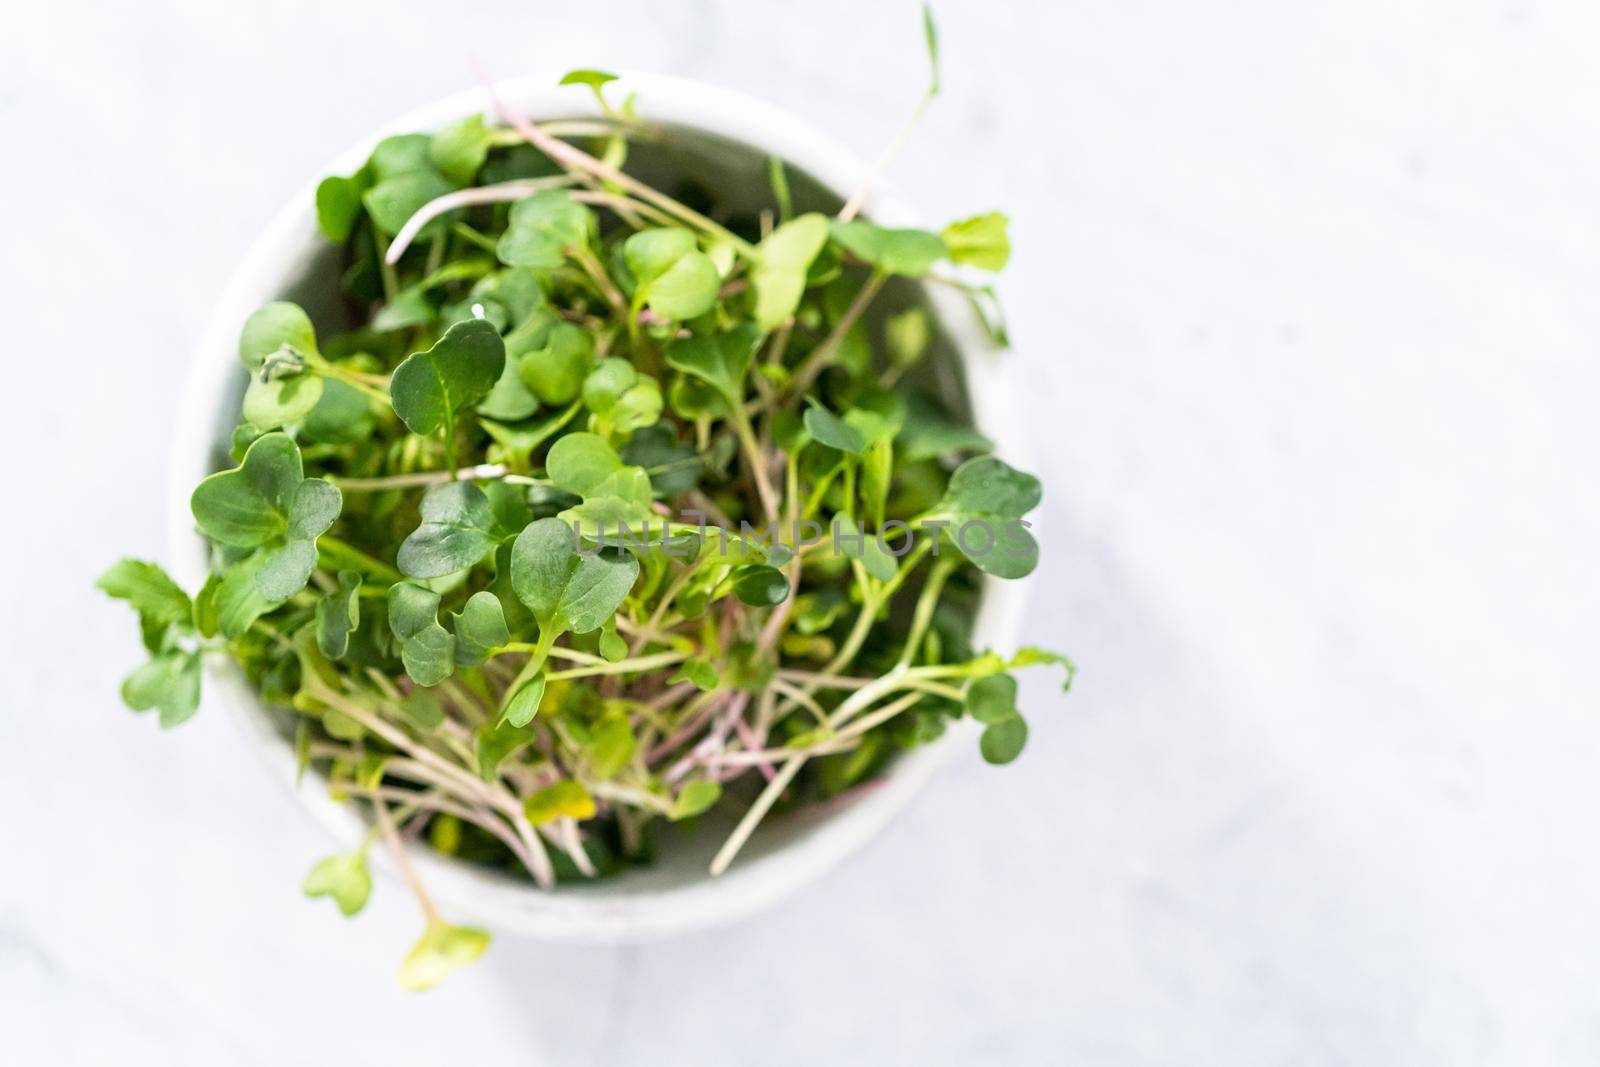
(273, 327)
(779, 277)
(980, 241)
(523, 705)
(566, 799)
(675, 278)
(280, 401)
(579, 462)
(592, 78)
(701, 673)
(343, 878)
(459, 150)
(612, 747)
(393, 201)
(169, 682)
(1030, 657)
(442, 950)
(541, 229)
(338, 206)
(907, 333)
(905, 252)
(555, 371)
(695, 798)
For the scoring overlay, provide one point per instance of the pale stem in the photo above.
(499, 193)
(403, 861)
(478, 473)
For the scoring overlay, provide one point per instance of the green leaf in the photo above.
(523, 705)
(719, 361)
(148, 590)
(760, 586)
(555, 371)
(612, 747)
(675, 278)
(852, 542)
(542, 228)
(1002, 742)
(566, 590)
(338, 615)
(393, 201)
(695, 798)
(1030, 657)
(785, 257)
(592, 78)
(426, 649)
(992, 699)
(983, 507)
(442, 950)
(238, 599)
(907, 334)
(400, 154)
(430, 387)
(275, 326)
(579, 462)
(454, 534)
(829, 429)
(566, 799)
(280, 401)
(342, 416)
(980, 241)
(423, 708)
(518, 440)
(266, 498)
(343, 878)
(905, 252)
(480, 629)
(169, 682)
(702, 674)
(930, 35)
(459, 150)
(338, 206)
(612, 647)
(285, 570)
(929, 434)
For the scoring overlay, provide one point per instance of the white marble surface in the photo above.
(1309, 295)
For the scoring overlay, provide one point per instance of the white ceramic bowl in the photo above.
(676, 894)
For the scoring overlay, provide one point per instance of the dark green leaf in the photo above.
(430, 387)
(480, 629)
(455, 533)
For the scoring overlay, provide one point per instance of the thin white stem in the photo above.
(478, 473)
(499, 193)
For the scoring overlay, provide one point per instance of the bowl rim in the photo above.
(466, 893)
